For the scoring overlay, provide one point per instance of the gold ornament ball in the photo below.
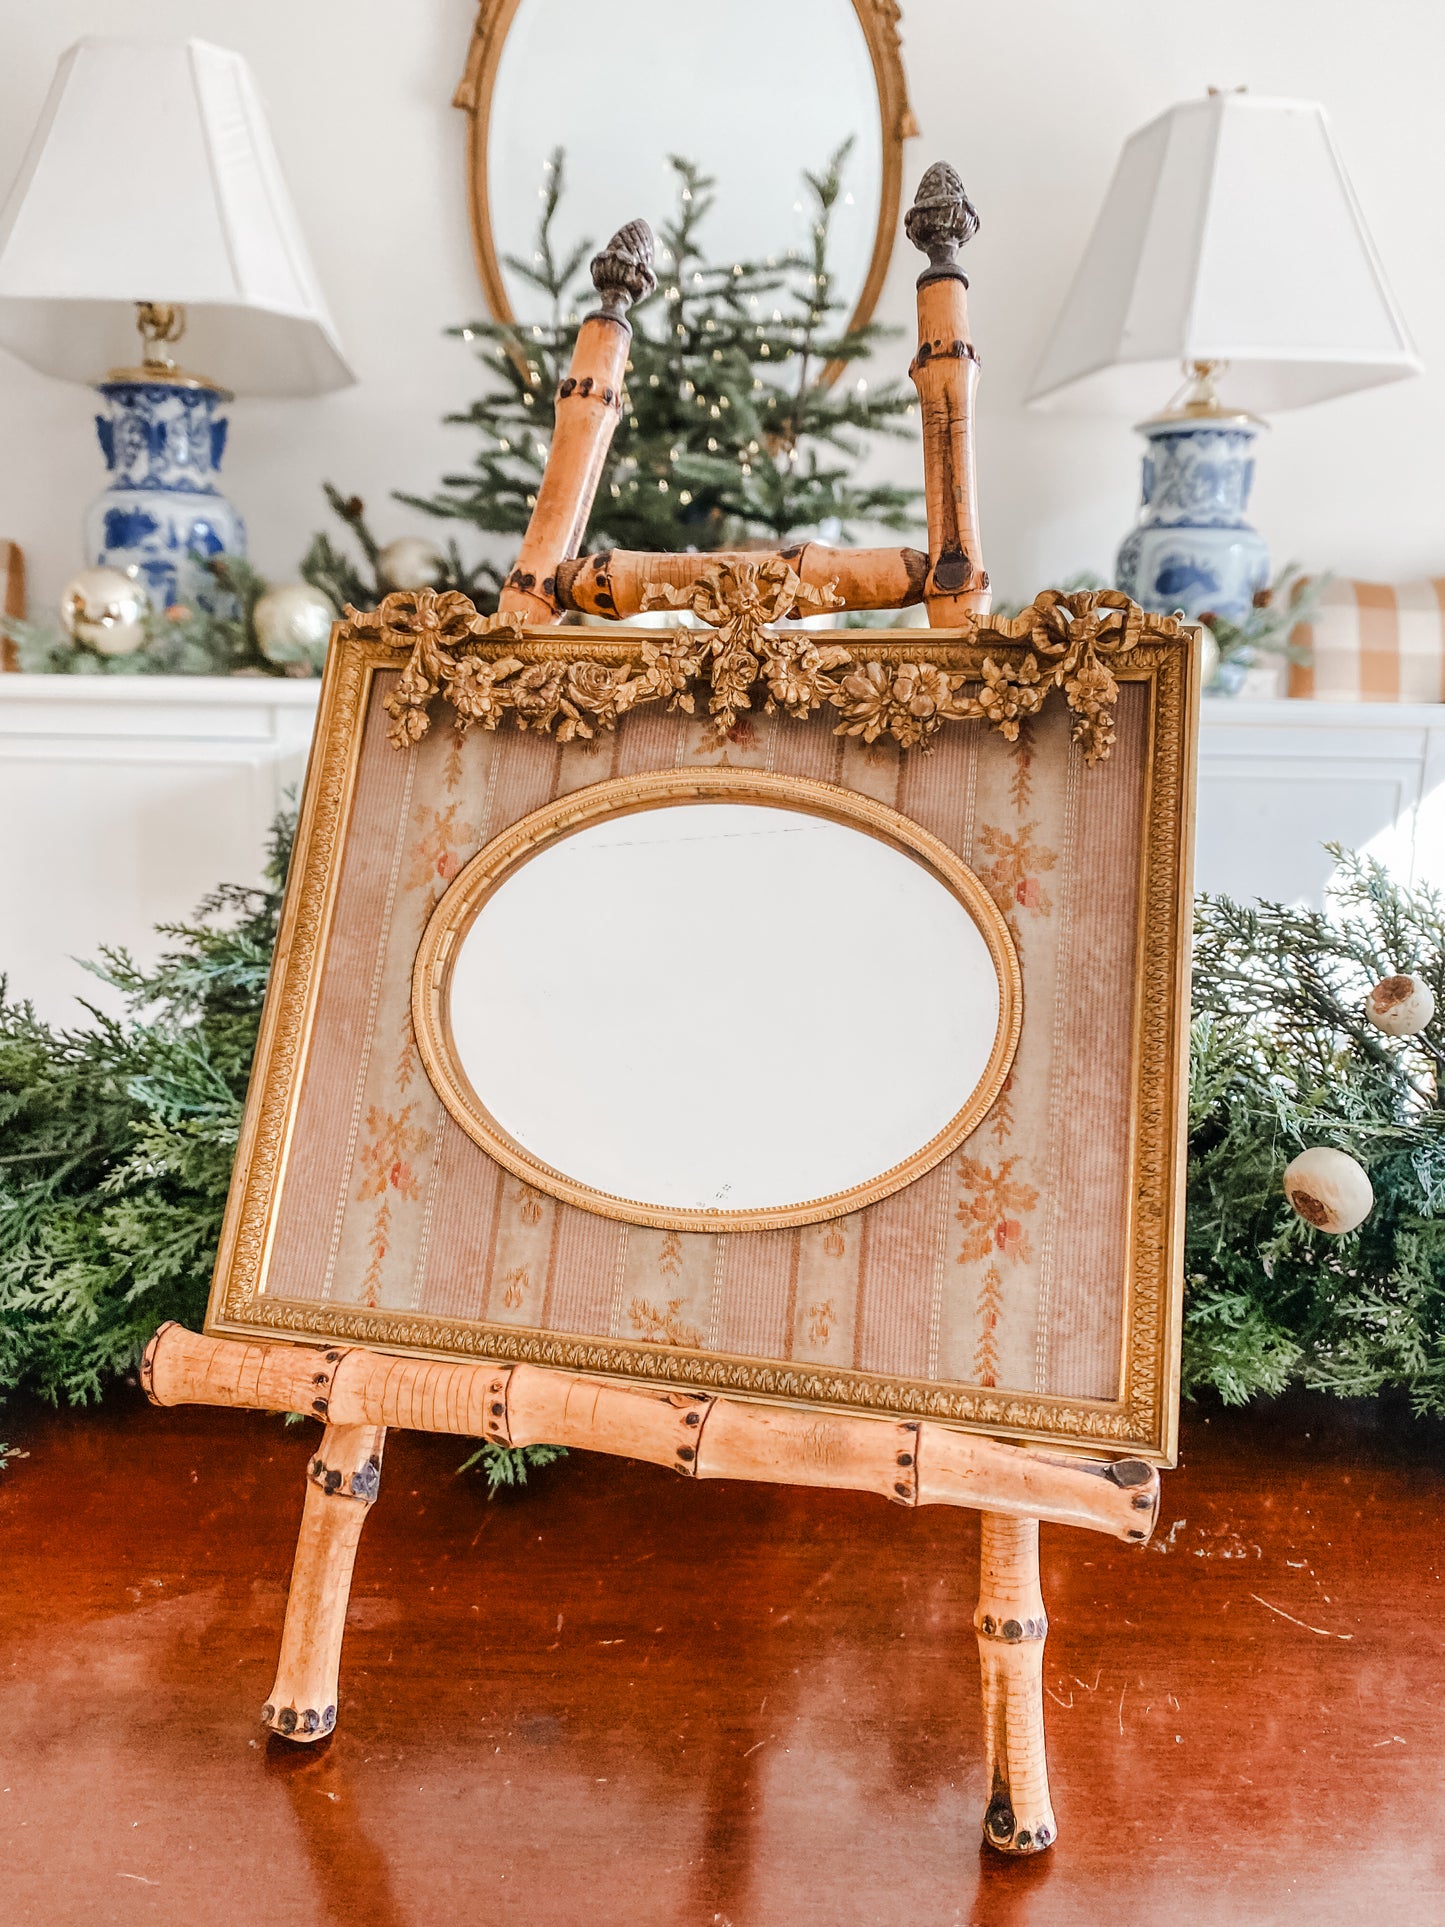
(293, 625)
(1400, 1006)
(1329, 1190)
(106, 610)
(411, 562)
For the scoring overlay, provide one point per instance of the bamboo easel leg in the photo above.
(1011, 1626)
(341, 1484)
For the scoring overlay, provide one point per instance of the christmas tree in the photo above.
(728, 435)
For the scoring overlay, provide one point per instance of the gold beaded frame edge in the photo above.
(474, 884)
(1142, 1421)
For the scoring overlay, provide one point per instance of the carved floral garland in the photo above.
(1073, 641)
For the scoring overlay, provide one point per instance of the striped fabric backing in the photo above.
(1003, 1267)
(1374, 642)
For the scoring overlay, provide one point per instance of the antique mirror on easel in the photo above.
(750, 1044)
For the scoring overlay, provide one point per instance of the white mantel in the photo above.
(125, 800)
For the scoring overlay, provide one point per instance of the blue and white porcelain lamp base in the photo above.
(161, 509)
(1192, 548)
(163, 435)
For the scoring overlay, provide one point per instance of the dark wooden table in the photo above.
(624, 1699)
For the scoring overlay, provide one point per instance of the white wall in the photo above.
(1030, 101)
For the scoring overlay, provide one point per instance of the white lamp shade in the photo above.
(1230, 233)
(152, 177)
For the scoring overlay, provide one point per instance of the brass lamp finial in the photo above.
(1202, 398)
(159, 322)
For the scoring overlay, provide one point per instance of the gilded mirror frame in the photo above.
(879, 20)
(252, 1293)
(501, 858)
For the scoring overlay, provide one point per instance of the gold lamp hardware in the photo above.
(161, 323)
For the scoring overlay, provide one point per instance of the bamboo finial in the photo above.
(941, 220)
(622, 272)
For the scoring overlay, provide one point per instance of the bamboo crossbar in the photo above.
(910, 1461)
(614, 583)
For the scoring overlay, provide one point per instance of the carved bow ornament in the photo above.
(738, 600)
(1075, 644)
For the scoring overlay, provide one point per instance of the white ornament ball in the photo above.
(106, 610)
(411, 562)
(1208, 656)
(1400, 1006)
(293, 625)
(1329, 1190)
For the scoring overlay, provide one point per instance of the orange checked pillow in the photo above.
(1374, 642)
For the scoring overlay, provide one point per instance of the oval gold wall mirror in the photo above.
(755, 92)
(717, 1000)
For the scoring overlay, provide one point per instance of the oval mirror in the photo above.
(756, 93)
(717, 1000)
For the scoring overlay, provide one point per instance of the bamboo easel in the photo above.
(359, 1393)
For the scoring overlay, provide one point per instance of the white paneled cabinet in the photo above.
(124, 801)
(1277, 780)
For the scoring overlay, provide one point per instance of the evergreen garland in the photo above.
(116, 1143)
(179, 641)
